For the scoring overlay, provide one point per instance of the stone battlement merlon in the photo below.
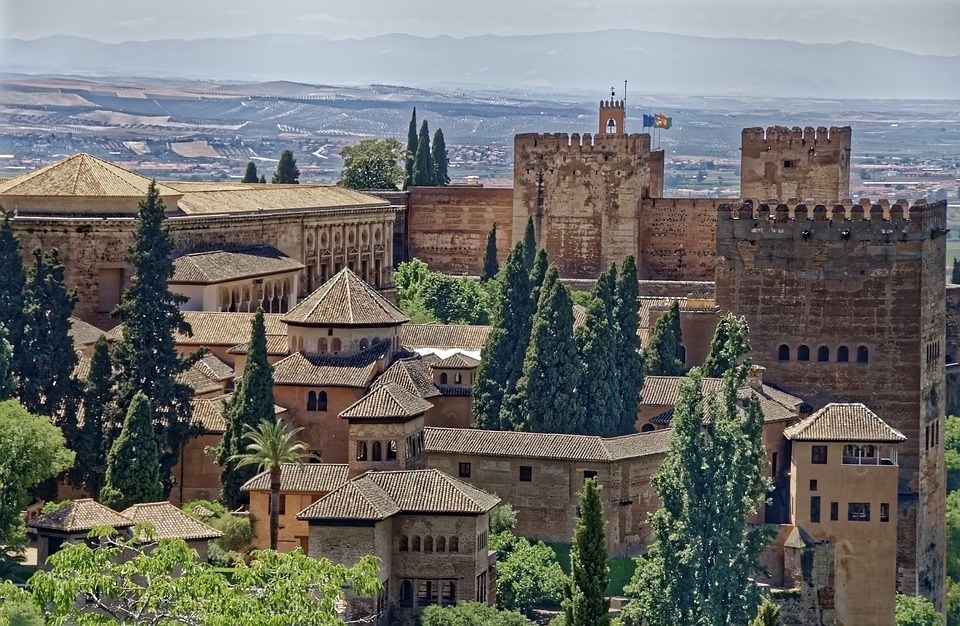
(778, 135)
(611, 104)
(563, 142)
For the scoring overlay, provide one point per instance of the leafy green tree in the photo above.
(955, 275)
(629, 361)
(528, 574)
(163, 584)
(12, 283)
(252, 404)
(529, 245)
(250, 175)
(503, 517)
(96, 434)
(287, 172)
(471, 614)
(32, 450)
(145, 358)
(490, 263)
(953, 603)
(547, 397)
(371, 164)
(728, 346)
(454, 300)
(440, 160)
(701, 567)
(411, 153)
(7, 383)
(768, 614)
(664, 355)
(953, 535)
(599, 394)
(585, 602)
(952, 453)
(17, 607)
(916, 611)
(133, 464)
(422, 165)
(271, 445)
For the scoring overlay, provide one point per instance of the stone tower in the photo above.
(846, 304)
(613, 115)
(584, 192)
(789, 163)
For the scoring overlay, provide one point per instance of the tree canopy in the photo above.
(528, 574)
(422, 160)
(250, 175)
(372, 164)
(411, 151)
(13, 281)
(7, 382)
(471, 614)
(728, 346)
(133, 464)
(585, 602)
(96, 434)
(287, 172)
(629, 361)
(490, 263)
(439, 160)
(664, 354)
(916, 611)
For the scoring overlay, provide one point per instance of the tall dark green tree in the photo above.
(598, 390)
(490, 263)
(503, 352)
(411, 154)
(7, 384)
(422, 164)
(547, 390)
(251, 404)
(145, 358)
(46, 358)
(955, 276)
(287, 172)
(728, 346)
(250, 176)
(664, 355)
(585, 602)
(12, 284)
(629, 360)
(96, 434)
(537, 274)
(440, 159)
(263, 179)
(529, 245)
(133, 464)
(700, 570)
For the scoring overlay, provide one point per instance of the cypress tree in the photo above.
(287, 172)
(252, 403)
(46, 358)
(537, 274)
(146, 358)
(263, 179)
(440, 160)
(411, 153)
(585, 601)
(133, 464)
(629, 361)
(96, 435)
(499, 368)
(598, 391)
(664, 355)
(490, 263)
(7, 384)
(955, 276)
(529, 245)
(547, 390)
(729, 343)
(422, 166)
(250, 176)
(12, 284)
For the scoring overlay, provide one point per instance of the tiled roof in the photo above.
(664, 390)
(579, 315)
(83, 334)
(81, 516)
(776, 405)
(387, 401)
(844, 422)
(205, 268)
(662, 418)
(257, 198)
(306, 478)
(318, 370)
(443, 336)
(81, 371)
(456, 361)
(541, 445)
(277, 345)
(212, 328)
(207, 375)
(169, 522)
(378, 495)
(208, 413)
(412, 375)
(345, 300)
(82, 175)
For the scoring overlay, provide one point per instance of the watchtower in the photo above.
(613, 114)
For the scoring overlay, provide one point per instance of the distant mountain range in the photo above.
(655, 63)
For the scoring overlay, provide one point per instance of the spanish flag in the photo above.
(663, 121)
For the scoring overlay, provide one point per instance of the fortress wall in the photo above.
(678, 238)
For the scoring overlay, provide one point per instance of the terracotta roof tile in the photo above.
(169, 522)
(852, 422)
(81, 371)
(256, 198)
(82, 175)
(345, 300)
(776, 405)
(443, 336)
(318, 370)
(579, 315)
(211, 328)
(664, 390)
(83, 334)
(277, 345)
(208, 413)
(81, 516)
(638, 444)
(412, 375)
(218, 266)
(306, 478)
(387, 401)
(207, 375)
(456, 361)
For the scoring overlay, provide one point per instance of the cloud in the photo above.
(134, 23)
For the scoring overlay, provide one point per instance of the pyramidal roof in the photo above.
(80, 516)
(82, 175)
(345, 300)
(387, 401)
(844, 422)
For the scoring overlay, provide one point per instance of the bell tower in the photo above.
(613, 113)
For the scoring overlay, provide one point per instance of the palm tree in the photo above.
(271, 445)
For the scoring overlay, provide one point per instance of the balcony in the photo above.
(869, 455)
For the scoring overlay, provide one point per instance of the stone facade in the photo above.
(677, 238)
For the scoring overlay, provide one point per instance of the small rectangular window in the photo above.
(282, 510)
(858, 512)
(884, 511)
(818, 455)
(815, 509)
(588, 474)
(813, 484)
(464, 470)
(526, 473)
(774, 465)
(834, 511)
(788, 164)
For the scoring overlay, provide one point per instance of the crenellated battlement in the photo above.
(780, 135)
(577, 143)
(611, 104)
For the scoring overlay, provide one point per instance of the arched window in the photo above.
(823, 354)
(803, 353)
(783, 352)
(416, 544)
(646, 428)
(404, 544)
(300, 343)
(392, 450)
(312, 401)
(683, 354)
(454, 544)
(428, 544)
(458, 379)
(322, 401)
(863, 355)
(406, 593)
(377, 451)
(870, 452)
(361, 450)
(363, 344)
(441, 544)
(335, 345)
(322, 345)
(443, 378)
(843, 354)
(611, 126)
(376, 340)
(448, 594)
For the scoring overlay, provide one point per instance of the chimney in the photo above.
(755, 376)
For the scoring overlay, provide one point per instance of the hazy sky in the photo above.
(920, 26)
